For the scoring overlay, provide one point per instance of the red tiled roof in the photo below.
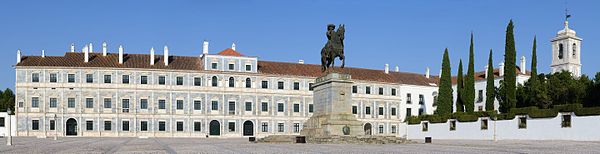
(230, 52)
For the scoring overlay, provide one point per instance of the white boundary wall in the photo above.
(584, 128)
(13, 120)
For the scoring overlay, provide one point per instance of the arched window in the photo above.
(248, 83)
(560, 51)
(231, 82)
(574, 49)
(215, 81)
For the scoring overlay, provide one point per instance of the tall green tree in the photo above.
(489, 89)
(460, 103)
(469, 84)
(534, 60)
(510, 75)
(444, 100)
(592, 98)
(7, 100)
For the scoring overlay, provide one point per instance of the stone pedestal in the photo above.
(332, 99)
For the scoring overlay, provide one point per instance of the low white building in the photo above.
(4, 124)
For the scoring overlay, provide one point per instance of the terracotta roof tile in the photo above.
(230, 52)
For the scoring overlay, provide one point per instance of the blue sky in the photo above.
(410, 34)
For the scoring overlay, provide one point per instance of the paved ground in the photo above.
(23, 145)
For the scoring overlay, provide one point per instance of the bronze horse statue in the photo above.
(334, 47)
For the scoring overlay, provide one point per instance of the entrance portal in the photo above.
(71, 127)
(248, 128)
(367, 129)
(215, 128)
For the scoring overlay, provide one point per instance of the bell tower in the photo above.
(566, 51)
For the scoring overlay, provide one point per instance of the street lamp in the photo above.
(55, 128)
(9, 138)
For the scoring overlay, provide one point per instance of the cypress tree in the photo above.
(510, 76)
(469, 84)
(444, 101)
(490, 88)
(534, 61)
(460, 103)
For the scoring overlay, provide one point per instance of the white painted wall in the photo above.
(3, 130)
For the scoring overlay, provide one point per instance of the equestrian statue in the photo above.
(334, 48)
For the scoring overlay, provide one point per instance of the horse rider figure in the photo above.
(334, 47)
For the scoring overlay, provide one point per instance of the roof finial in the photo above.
(72, 47)
(233, 45)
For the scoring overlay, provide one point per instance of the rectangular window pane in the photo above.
(107, 103)
(52, 125)
(248, 106)
(354, 89)
(408, 99)
(197, 126)
(125, 79)
(280, 127)
(161, 80)
(125, 125)
(144, 104)
(107, 125)
(2, 122)
(35, 124)
(89, 102)
(179, 104)
(231, 66)
(380, 110)
(231, 107)
(71, 78)
(393, 111)
(89, 78)
(214, 66)
(296, 107)
(408, 112)
(367, 110)
(89, 125)
(107, 79)
(280, 85)
(35, 77)
(179, 126)
(231, 126)
(125, 105)
(310, 108)
(264, 84)
(71, 102)
(421, 99)
(296, 127)
(53, 77)
(197, 105)
(265, 106)
(248, 67)
(310, 86)
(296, 86)
(161, 104)
(380, 91)
(367, 90)
(393, 92)
(53, 102)
(215, 105)
(354, 109)
(265, 127)
(161, 126)
(279, 107)
(197, 81)
(144, 80)
(179, 80)
(144, 126)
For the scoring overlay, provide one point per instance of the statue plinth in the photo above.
(332, 98)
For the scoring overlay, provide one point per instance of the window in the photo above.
(179, 104)
(35, 124)
(125, 79)
(566, 121)
(197, 126)
(479, 96)
(264, 84)
(296, 127)
(161, 126)
(310, 108)
(452, 125)
(161, 80)
(280, 127)
(522, 122)
(408, 98)
(107, 103)
(367, 90)
(71, 102)
(144, 126)
(248, 83)
(71, 78)
(421, 99)
(107, 79)
(393, 91)
(420, 111)
(393, 111)
(2, 122)
(265, 106)
(380, 129)
(52, 102)
(89, 103)
(265, 127)
(354, 89)
(197, 105)
(231, 67)
(89, 125)
(380, 110)
(484, 124)
(408, 112)
(161, 104)
(248, 67)
(393, 129)
(214, 66)
(280, 85)
(560, 51)
(215, 105)
(248, 106)
(125, 125)
(143, 103)
(52, 125)
(231, 82)
(354, 109)
(310, 86)
(574, 49)
(179, 80)
(231, 107)
(125, 105)
(279, 107)
(425, 126)
(89, 78)
(144, 80)
(197, 81)
(380, 91)
(21, 104)
(231, 126)
(296, 107)
(52, 77)
(367, 110)
(35, 77)
(480, 108)
(107, 125)
(179, 126)
(215, 81)
(35, 102)
(296, 86)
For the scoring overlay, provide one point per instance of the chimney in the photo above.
(120, 54)
(72, 47)
(87, 56)
(103, 48)
(522, 66)
(43, 53)
(440, 75)
(397, 68)
(300, 61)
(233, 46)
(205, 47)
(427, 73)
(84, 49)
(18, 55)
(387, 69)
(166, 56)
(501, 69)
(91, 49)
(486, 70)
(152, 56)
